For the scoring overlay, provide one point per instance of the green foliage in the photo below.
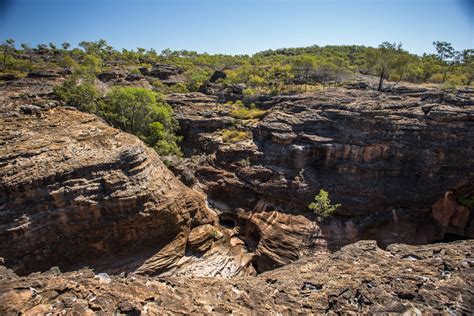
(196, 77)
(239, 111)
(91, 65)
(68, 63)
(467, 201)
(235, 136)
(141, 112)
(79, 92)
(322, 206)
(286, 70)
(178, 88)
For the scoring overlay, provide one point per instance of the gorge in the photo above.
(92, 220)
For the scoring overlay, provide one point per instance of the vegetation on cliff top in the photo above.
(268, 71)
(138, 111)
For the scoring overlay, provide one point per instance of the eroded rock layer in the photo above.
(75, 192)
(359, 278)
(396, 161)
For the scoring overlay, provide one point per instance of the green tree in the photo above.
(322, 205)
(447, 54)
(68, 63)
(8, 47)
(468, 66)
(91, 64)
(66, 45)
(79, 92)
(28, 50)
(302, 67)
(384, 60)
(140, 112)
(430, 65)
(339, 67)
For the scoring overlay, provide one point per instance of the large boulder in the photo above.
(107, 76)
(163, 71)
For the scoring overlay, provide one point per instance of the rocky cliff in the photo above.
(396, 161)
(75, 192)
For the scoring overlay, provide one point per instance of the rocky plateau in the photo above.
(93, 221)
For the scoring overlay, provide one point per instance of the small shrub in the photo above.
(239, 111)
(80, 93)
(467, 201)
(322, 206)
(244, 162)
(178, 88)
(235, 136)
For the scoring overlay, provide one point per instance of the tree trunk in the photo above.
(445, 75)
(4, 59)
(382, 75)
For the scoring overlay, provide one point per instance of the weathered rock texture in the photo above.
(75, 192)
(388, 158)
(360, 278)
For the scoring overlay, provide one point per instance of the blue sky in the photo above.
(239, 26)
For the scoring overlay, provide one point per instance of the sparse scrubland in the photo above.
(282, 71)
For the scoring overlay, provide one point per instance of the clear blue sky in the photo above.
(239, 26)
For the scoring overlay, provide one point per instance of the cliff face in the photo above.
(397, 162)
(359, 278)
(75, 192)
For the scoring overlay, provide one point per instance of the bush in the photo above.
(68, 63)
(241, 112)
(322, 206)
(91, 64)
(235, 136)
(78, 92)
(467, 201)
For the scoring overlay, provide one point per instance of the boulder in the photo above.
(218, 74)
(110, 75)
(133, 77)
(163, 71)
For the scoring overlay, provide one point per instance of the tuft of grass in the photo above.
(247, 114)
(239, 111)
(235, 136)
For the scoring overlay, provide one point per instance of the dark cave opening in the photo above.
(227, 223)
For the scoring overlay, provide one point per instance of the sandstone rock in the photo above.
(385, 157)
(218, 74)
(8, 77)
(43, 74)
(110, 75)
(163, 71)
(360, 278)
(133, 77)
(75, 192)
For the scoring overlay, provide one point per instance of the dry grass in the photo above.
(235, 136)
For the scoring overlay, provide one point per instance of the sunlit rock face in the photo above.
(388, 158)
(359, 278)
(75, 192)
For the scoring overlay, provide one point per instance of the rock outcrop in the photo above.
(388, 158)
(76, 192)
(359, 278)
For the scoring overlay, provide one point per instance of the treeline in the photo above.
(268, 71)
